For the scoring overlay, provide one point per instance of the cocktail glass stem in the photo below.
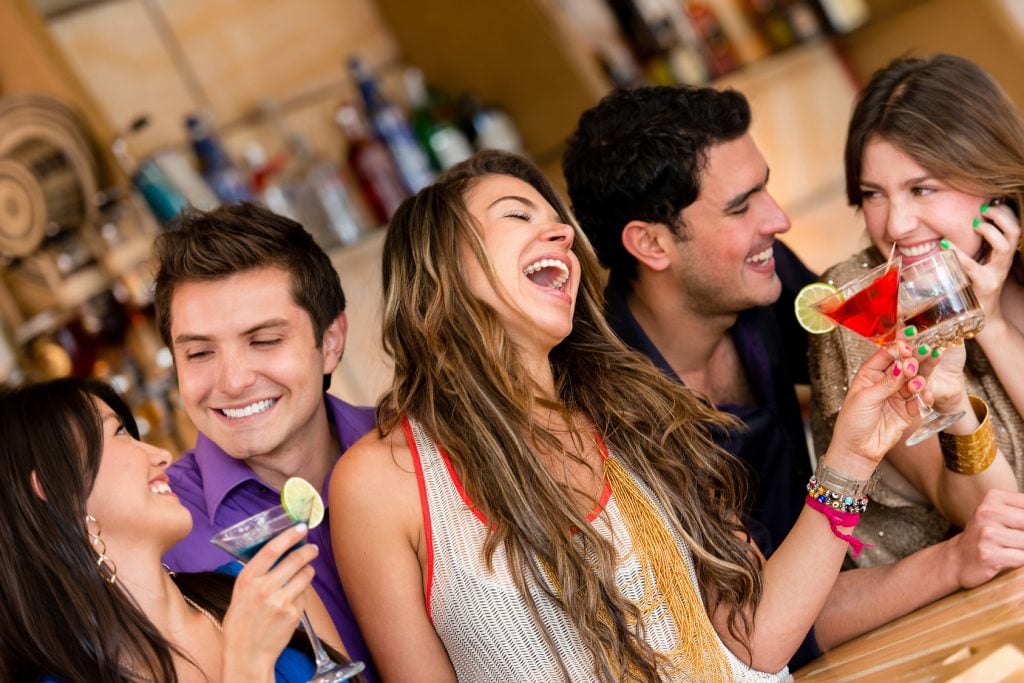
(327, 670)
(932, 421)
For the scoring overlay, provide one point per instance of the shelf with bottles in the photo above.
(80, 304)
(390, 147)
(694, 42)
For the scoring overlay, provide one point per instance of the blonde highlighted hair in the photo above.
(461, 376)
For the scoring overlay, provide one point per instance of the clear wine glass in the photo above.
(243, 541)
(936, 298)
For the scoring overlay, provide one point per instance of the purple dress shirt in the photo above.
(220, 491)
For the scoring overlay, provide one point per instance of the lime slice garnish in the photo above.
(808, 316)
(302, 502)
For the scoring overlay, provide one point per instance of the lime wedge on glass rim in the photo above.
(806, 314)
(302, 502)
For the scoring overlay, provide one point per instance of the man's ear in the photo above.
(334, 342)
(37, 487)
(647, 243)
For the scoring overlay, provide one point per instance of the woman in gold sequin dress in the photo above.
(935, 160)
(540, 503)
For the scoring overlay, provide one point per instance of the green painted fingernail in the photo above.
(984, 208)
(922, 350)
(976, 222)
(944, 244)
(910, 331)
(935, 353)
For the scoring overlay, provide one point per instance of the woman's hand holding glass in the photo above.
(267, 602)
(946, 390)
(878, 408)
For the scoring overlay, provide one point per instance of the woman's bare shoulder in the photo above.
(375, 461)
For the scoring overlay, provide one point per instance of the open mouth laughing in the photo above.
(762, 257)
(548, 272)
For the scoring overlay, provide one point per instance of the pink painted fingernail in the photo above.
(896, 371)
(911, 367)
(917, 384)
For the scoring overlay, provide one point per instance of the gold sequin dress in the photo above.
(900, 520)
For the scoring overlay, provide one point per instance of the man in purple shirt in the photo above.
(253, 312)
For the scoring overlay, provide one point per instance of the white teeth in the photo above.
(918, 250)
(253, 409)
(159, 487)
(543, 263)
(762, 256)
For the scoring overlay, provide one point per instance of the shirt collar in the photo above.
(745, 334)
(626, 326)
(221, 474)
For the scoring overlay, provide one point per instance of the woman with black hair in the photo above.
(87, 514)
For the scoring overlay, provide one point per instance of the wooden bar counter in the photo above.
(974, 635)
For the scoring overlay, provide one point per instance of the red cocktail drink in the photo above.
(867, 306)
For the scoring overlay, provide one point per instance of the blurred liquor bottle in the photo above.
(446, 145)
(11, 373)
(595, 23)
(316, 188)
(844, 16)
(378, 176)
(664, 40)
(718, 49)
(388, 122)
(489, 126)
(216, 167)
(164, 199)
(265, 178)
(804, 17)
(734, 20)
(769, 16)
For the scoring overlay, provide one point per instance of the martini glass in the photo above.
(937, 299)
(870, 307)
(243, 541)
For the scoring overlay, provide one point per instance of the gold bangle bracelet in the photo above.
(970, 453)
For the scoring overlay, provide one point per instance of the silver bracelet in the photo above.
(843, 484)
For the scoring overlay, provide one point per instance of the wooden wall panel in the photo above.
(241, 51)
(980, 30)
(513, 53)
(117, 54)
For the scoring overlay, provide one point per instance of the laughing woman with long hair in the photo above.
(540, 503)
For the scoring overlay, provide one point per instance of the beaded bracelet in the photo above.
(836, 500)
(970, 453)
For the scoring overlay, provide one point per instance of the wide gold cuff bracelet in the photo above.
(970, 453)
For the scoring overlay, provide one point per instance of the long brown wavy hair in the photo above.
(460, 375)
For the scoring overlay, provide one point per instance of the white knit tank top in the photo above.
(479, 614)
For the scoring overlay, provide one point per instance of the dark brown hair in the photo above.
(458, 372)
(949, 116)
(238, 238)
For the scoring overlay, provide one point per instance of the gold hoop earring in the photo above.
(104, 564)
